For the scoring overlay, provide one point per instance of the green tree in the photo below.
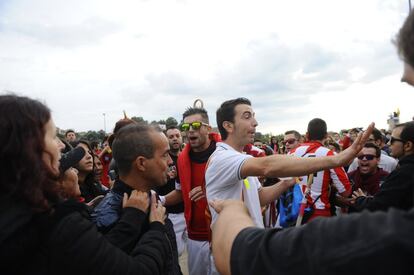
(171, 122)
(139, 119)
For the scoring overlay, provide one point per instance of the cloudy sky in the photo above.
(295, 60)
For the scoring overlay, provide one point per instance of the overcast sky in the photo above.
(295, 60)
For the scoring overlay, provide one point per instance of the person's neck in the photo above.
(175, 152)
(235, 144)
(203, 147)
(135, 182)
(81, 177)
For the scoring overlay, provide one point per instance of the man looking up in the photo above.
(233, 175)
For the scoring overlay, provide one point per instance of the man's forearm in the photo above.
(292, 166)
(271, 193)
(231, 221)
(173, 198)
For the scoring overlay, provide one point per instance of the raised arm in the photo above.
(292, 166)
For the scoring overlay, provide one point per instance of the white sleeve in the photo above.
(353, 166)
(225, 167)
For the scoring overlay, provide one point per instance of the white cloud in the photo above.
(153, 58)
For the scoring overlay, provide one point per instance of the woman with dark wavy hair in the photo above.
(40, 232)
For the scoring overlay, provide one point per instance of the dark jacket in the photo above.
(396, 191)
(360, 243)
(107, 214)
(66, 242)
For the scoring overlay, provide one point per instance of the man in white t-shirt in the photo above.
(232, 175)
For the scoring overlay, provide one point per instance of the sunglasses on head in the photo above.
(290, 141)
(393, 139)
(367, 157)
(194, 125)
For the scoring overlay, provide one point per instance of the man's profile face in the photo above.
(244, 124)
(157, 172)
(408, 75)
(396, 146)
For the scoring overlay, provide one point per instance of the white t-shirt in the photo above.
(223, 181)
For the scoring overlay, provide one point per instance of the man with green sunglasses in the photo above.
(190, 186)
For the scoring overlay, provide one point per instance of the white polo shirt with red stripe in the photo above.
(322, 179)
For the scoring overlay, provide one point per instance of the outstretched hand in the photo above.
(348, 155)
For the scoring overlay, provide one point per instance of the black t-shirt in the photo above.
(170, 186)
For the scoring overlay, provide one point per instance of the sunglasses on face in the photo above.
(367, 157)
(194, 125)
(290, 141)
(393, 139)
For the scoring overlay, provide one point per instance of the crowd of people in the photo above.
(316, 202)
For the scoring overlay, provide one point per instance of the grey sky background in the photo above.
(294, 61)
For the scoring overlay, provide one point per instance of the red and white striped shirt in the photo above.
(322, 179)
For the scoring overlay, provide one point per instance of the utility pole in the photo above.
(104, 122)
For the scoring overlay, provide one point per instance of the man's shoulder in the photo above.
(108, 210)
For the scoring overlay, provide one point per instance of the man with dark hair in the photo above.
(397, 189)
(359, 243)
(141, 154)
(233, 175)
(368, 177)
(386, 162)
(190, 186)
(291, 140)
(70, 137)
(323, 181)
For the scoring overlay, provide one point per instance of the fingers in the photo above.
(124, 200)
(196, 194)
(217, 205)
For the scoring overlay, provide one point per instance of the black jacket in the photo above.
(396, 191)
(108, 213)
(66, 242)
(361, 243)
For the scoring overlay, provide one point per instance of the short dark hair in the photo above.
(373, 145)
(405, 39)
(172, 127)
(377, 134)
(194, 111)
(69, 131)
(226, 113)
(132, 141)
(296, 133)
(407, 133)
(317, 129)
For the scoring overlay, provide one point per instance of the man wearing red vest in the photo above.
(190, 186)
